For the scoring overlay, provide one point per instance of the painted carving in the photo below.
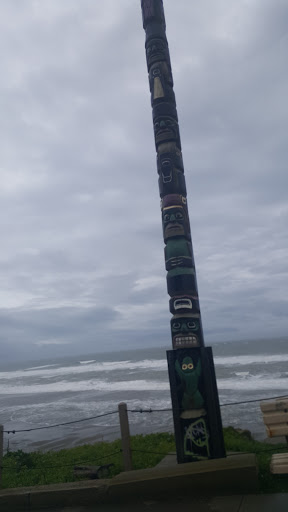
(176, 183)
(192, 413)
(184, 304)
(171, 176)
(166, 129)
(189, 374)
(181, 281)
(178, 253)
(165, 122)
(161, 83)
(196, 439)
(185, 331)
(175, 222)
(157, 51)
(170, 159)
(174, 200)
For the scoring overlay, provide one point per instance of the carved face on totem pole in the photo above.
(171, 174)
(156, 51)
(185, 331)
(185, 304)
(175, 222)
(178, 253)
(166, 129)
(161, 83)
(165, 122)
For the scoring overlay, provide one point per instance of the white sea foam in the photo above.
(241, 374)
(253, 383)
(85, 385)
(40, 367)
(155, 364)
(250, 359)
(87, 362)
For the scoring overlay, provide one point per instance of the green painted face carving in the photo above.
(185, 331)
(175, 222)
(187, 365)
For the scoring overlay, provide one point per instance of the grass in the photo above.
(239, 442)
(37, 468)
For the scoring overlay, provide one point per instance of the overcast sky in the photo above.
(81, 260)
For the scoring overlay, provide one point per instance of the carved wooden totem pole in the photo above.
(196, 411)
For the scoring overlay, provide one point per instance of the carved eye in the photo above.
(176, 326)
(190, 366)
(179, 216)
(192, 325)
(184, 366)
(166, 217)
(166, 163)
(156, 126)
(156, 72)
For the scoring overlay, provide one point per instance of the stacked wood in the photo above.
(279, 464)
(275, 417)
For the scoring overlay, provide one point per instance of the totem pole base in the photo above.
(197, 423)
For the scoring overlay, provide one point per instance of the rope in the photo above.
(60, 424)
(141, 411)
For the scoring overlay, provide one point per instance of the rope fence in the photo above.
(141, 411)
(126, 451)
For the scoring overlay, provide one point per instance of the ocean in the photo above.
(49, 392)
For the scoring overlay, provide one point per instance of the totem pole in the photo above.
(196, 411)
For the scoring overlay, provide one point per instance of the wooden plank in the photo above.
(279, 456)
(279, 470)
(271, 418)
(1, 452)
(276, 405)
(277, 430)
(125, 436)
(279, 462)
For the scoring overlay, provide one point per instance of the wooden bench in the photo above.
(275, 417)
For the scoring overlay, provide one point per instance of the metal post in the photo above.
(194, 393)
(125, 436)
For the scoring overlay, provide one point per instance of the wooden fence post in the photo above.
(1, 453)
(125, 436)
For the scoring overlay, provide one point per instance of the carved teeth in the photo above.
(185, 340)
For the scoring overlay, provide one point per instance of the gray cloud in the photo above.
(81, 258)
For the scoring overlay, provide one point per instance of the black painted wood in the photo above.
(186, 323)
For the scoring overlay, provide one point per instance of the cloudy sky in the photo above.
(81, 260)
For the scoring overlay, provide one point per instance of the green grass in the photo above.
(268, 483)
(37, 468)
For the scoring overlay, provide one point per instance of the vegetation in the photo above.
(240, 442)
(37, 468)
